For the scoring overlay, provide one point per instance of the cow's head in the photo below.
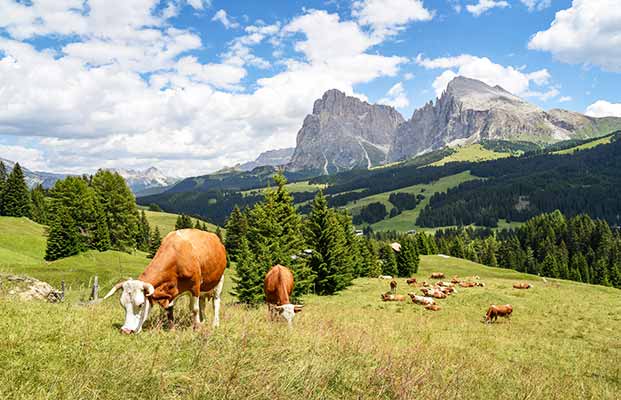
(134, 299)
(288, 311)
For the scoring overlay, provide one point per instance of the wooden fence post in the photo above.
(62, 290)
(95, 291)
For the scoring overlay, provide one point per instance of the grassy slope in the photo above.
(589, 145)
(166, 221)
(473, 153)
(561, 343)
(302, 186)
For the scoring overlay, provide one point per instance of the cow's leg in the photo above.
(217, 292)
(195, 310)
(171, 317)
(201, 305)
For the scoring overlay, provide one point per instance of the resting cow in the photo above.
(494, 311)
(522, 285)
(434, 292)
(188, 260)
(392, 297)
(437, 275)
(421, 299)
(467, 284)
(278, 286)
(433, 307)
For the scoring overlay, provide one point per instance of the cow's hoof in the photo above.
(126, 331)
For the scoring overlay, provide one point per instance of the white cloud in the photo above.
(408, 76)
(537, 5)
(482, 68)
(387, 17)
(485, 5)
(565, 99)
(603, 108)
(396, 97)
(589, 32)
(32, 159)
(199, 4)
(128, 94)
(222, 17)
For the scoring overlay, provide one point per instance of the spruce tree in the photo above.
(144, 231)
(249, 277)
(3, 177)
(407, 257)
(16, 197)
(329, 260)
(101, 239)
(39, 205)
(388, 259)
(155, 242)
(219, 234)
(236, 229)
(549, 267)
(63, 239)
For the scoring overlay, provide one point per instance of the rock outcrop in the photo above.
(26, 288)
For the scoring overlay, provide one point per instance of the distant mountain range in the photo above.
(273, 158)
(344, 132)
(148, 181)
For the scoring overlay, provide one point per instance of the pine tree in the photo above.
(183, 222)
(329, 260)
(155, 242)
(549, 267)
(144, 231)
(219, 234)
(63, 239)
(3, 178)
(236, 229)
(39, 205)
(407, 257)
(249, 276)
(16, 197)
(101, 239)
(353, 258)
(389, 260)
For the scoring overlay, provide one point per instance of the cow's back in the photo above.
(186, 255)
(278, 285)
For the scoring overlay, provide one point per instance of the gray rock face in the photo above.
(344, 132)
(469, 111)
(272, 158)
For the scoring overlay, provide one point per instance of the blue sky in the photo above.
(190, 86)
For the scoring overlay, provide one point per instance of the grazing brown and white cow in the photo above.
(278, 286)
(393, 286)
(433, 307)
(522, 285)
(421, 299)
(188, 260)
(494, 311)
(392, 297)
(411, 281)
(437, 275)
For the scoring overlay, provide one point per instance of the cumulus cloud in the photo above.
(589, 32)
(537, 5)
(482, 68)
(130, 94)
(396, 97)
(565, 99)
(33, 159)
(603, 108)
(387, 17)
(485, 5)
(222, 17)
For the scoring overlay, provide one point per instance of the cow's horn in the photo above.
(149, 288)
(278, 307)
(114, 289)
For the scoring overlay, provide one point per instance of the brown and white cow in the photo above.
(522, 285)
(188, 260)
(411, 281)
(416, 299)
(393, 286)
(434, 292)
(392, 297)
(437, 275)
(494, 311)
(278, 286)
(467, 284)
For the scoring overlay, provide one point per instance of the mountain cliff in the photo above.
(272, 158)
(344, 132)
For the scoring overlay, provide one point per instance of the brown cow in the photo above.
(411, 281)
(467, 284)
(444, 284)
(392, 297)
(437, 275)
(494, 311)
(433, 307)
(188, 260)
(278, 286)
(522, 285)
(393, 286)
(455, 280)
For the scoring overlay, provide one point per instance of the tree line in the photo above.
(321, 248)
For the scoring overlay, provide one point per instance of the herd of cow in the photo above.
(193, 261)
(443, 289)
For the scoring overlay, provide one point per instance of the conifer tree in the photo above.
(249, 278)
(407, 257)
(550, 266)
(144, 232)
(329, 260)
(219, 234)
(236, 229)
(39, 205)
(389, 260)
(101, 240)
(63, 239)
(154, 242)
(16, 197)
(3, 178)
(183, 222)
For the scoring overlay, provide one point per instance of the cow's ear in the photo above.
(297, 308)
